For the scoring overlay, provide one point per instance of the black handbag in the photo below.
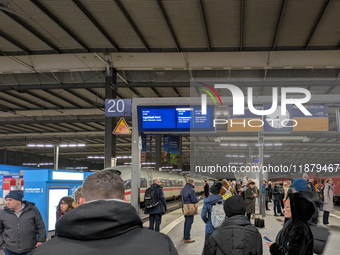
(320, 235)
(259, 222)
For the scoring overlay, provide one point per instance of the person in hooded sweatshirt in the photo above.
(155, 218)
(295, 238)
(209, 202)
(104, 224)
(236, 235)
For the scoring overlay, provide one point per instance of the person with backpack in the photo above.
(236, 235)
(319, 188)
(214, 201)
(226, 190)
(155, 204)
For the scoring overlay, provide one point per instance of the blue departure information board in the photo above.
(174, 119)
(158, 118)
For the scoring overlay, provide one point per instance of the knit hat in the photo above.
(299, 184)
(15, 194)
(215, 188)
(234, 206)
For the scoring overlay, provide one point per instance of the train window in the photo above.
(171, 183)
(180, 182)
(127, 184)
(176, 183)
(143, 183)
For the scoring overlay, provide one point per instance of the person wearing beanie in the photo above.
(22, 228)
(236, 230)
(209, 202)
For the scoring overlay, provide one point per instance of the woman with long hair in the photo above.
(295, 238)
(64, 206)
(328, 201)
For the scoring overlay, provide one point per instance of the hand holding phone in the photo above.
(267, 239)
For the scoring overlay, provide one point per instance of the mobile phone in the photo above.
(267, 239)
(199, 197)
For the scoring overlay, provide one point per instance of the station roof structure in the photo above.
(54, 56)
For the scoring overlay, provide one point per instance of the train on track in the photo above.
(316, 178)
(172, 182)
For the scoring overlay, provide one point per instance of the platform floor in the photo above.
(173, 225)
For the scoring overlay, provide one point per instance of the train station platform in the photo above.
(173, 225)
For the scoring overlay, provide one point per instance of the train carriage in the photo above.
(172, 182)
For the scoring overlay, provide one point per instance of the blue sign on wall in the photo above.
(117, 107)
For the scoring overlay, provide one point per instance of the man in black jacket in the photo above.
(206, 189)
(157, 211)
(22, 228)
(236, 235)
(104, 224)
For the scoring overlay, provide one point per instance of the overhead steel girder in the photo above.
(244, 83)
(174, 61)
(52, 120)
(62, 25)
(14, 42)
(32, 30)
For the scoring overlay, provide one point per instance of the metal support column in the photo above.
(136, 146)
(158, 153)
(110, 122)
(262, 195)
(180, 160)
(5, 157)
(56, 157)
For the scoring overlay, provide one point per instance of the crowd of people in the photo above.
(98, 219)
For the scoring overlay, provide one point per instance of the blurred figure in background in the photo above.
(276, 197)
(226, 190)
(64, 206)
(206, 189)
(328, 201)
(77, 196)
(250, 198)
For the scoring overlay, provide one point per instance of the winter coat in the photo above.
(223, 191)
(250, 200)
(161, 207)
(328, 205)
(105, 227)
(310, 187)
(267, 195)
(317, 203)
(276, 193)
(235, 236)
(206, 211)
(270, 191)
(296, 238)
(189, 195)
(21, 234)
(206, 190)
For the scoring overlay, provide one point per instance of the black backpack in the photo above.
(321, 194)
(151, 198)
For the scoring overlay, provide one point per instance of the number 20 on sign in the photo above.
(117, 107)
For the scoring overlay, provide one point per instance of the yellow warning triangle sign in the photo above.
(121, 128)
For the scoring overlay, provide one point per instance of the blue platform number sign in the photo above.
(117, 107)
